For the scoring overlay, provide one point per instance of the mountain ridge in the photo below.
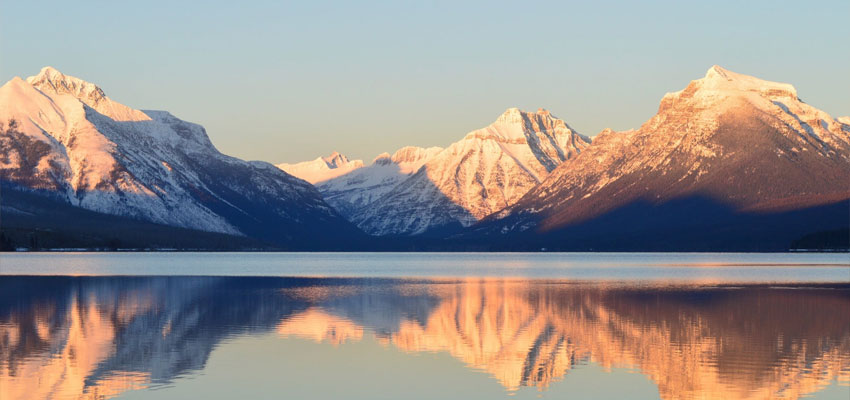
(321, 169)
(733, 143)
(91, 152)
(728, 162)
(454, 187)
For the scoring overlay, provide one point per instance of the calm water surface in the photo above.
(670, 326)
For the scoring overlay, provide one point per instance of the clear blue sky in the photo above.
(289, 81)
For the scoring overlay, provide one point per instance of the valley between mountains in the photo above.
(729, 163)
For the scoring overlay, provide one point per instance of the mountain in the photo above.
(348, 186)
(63, 139)
(322, 168)
(351, 192)
(484, 172)
(731, 162)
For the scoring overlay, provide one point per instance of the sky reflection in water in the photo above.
(85, 337)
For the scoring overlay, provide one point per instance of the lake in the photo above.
(424, 325)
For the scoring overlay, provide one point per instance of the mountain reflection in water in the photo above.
(97, 337)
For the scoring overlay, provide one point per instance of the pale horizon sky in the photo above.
(291, 81)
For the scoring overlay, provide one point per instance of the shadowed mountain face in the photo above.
(65, 140)
(721, 160)
(65, 337)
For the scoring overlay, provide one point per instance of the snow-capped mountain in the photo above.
(730, 156)
(352, 192)
(72, 142)
(322, 169)
(487, 170)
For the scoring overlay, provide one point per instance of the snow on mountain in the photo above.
(359, 188)
(53, 82)
(484, 172)
(322, 169)
(72, 142)
(735, 140)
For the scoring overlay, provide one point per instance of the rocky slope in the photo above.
(65, 139)
(729, 159)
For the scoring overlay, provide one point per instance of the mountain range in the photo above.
(731, 162)
(66, 146)
(420, 191)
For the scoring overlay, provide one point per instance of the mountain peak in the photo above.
(15, 82)
(719, 79)
(515, 114)
(383, 159)
(335, 160)
(718, 71)
(719, 85)
(515, 125)
(50, 71)
(719, 74)
(512, 114)
(322, 168)
(413, 154)
(50, 79)
(47, 73)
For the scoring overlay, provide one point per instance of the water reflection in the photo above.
(96, 337)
